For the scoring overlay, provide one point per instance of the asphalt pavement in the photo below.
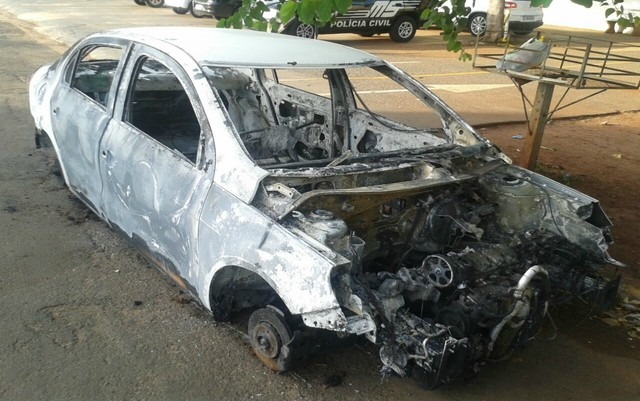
(82, 318)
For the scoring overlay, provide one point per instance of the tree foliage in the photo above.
(447, 15)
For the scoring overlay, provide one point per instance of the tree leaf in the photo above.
(261, 6)
(609, 11)
(341, 6)
(307, 11)
(236, 22)
(454, 45)
(624, 22)
(325, 10)
(288, 11)
(426, 14)
(583, 3)
(274, 25)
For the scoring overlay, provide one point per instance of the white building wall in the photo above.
(571, 15)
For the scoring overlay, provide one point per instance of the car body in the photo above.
(400, 19)
(217, 10)
(179, 6)
(183, 7)
(269, 172)
(521, 16)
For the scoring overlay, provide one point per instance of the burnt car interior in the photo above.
(159, 106)
(281, 122)
(94, 72)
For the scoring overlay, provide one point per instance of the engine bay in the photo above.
(457, 273)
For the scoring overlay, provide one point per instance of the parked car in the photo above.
(217, 10)
(183, 7)
(523, 18)
(152, 3)
(179, 6)
(278, 179)
(400, 19)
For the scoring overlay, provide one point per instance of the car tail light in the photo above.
(510, 4)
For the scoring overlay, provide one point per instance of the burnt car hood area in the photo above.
(282, 175)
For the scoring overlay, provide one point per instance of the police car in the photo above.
(400, 19)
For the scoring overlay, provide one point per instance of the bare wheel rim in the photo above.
(478, 25)
(270, 338)
(267, 341)
(405, 29)
(305, 31)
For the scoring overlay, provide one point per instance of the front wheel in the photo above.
(403, 29)
(270, 338)
(478, 24)
(180, 10)
(155, 3)
(302, 30)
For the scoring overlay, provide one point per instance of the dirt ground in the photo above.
(84, 317)
(599, 156)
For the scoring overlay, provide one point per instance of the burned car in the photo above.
(320, 187)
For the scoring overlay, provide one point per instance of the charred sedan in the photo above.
(284, 175)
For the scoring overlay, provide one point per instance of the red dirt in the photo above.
(599, 156)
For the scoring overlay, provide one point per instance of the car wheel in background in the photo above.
(403, 29)
(195, 13)
(155, 3)
(180, 10)
(140, 2)
(302, 30)
(478, 24)
(523, 33)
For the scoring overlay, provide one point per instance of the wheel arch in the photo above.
(237, 286)
(47, 143)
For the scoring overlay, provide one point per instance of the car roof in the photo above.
(232, 47)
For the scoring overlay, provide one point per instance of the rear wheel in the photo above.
(196, 14)
(270, 337)
(180, 10)
(155, 3)
(140, 2)
(403, 29)
(478, 24)
(302, 30)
